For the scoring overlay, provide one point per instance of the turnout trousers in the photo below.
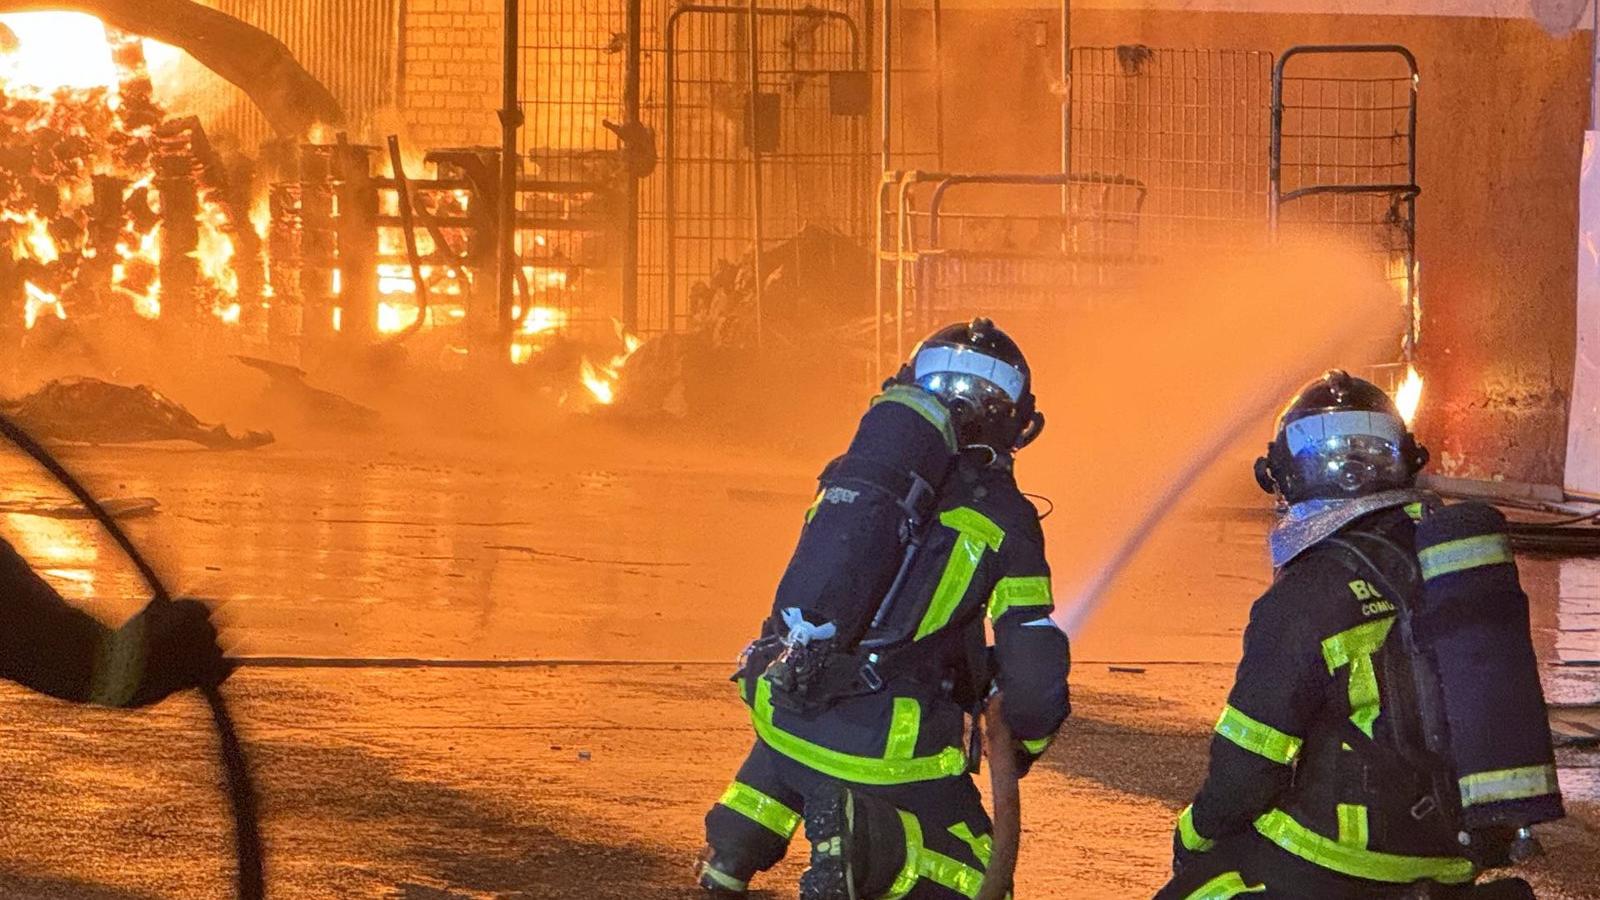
(927, 840)
(1249, 866)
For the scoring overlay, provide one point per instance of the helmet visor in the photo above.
(953, 365)
(1346, 453)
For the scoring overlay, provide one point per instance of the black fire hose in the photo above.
(240, 785)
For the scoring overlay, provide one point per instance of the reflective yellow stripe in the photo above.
(925, 405)
(119, 665)
(1415, 511)
(1463, 554)
(811, 511)
(903, 729)
(1257, 737)
(1352, 825)
(907, 879)
(1228, 884)
(1355, 648)
(1010, 593)
(946, 763)
(1192, 840)
(1038, 746)
(1508, 784)
(1280, 828)
(977, 534)
(982, 845)
(935, 866)
(723, 879)
(760, 808)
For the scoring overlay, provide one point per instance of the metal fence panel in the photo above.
(1190, 125)
(810, 117)
(573, 65)
(1344, 158)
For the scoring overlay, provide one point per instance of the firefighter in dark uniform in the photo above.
(881, 776)
(51, 647)
(1301, 799)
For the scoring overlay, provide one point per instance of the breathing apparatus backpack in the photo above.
(1469, 706)
(869, 519)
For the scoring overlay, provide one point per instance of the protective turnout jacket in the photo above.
(1293, 756)
(983, 557)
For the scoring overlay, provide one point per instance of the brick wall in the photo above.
(450, 81)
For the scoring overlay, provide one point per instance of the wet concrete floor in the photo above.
(589, 602)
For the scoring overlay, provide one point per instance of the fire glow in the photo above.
(601, 380)
(82, 95)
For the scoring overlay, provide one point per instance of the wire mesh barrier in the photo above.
(759, 122)
(1344, 157)
(1190, 125)
(807, 121)
(572, 215)
(959, 245)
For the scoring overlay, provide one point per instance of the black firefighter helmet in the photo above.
(980, 374)
(1339, 437)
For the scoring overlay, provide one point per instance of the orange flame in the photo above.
(1408, 396)
(540, 320)
(37, 302)
(601, 380)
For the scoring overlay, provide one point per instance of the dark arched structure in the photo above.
(291, 98)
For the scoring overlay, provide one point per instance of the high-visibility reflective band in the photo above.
(932, 865)
(1192, 840)
(723, 879)
(977, 535)
(1257, 737)
(949, 762)
(1280, 828)
(1352, 824)
(904, 726)
(1011, 593)
(1463, 554)
(761, 809)
(1508, 784)
(1355, 647)
(811, 511)
(1415, 511)
(925, 405)
(1038, 745)
(907, 878)
(982, 845)
(118, 665)
(1224, 886)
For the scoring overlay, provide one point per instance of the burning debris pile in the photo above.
(111, 210)
(817, 280)
(91, 411)
(817, 288)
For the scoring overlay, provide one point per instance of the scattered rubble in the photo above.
(91, 411)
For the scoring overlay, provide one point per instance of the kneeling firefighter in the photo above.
(55, 649)
(873, 661)
(1386, 732)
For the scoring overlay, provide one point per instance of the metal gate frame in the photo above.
(923, 254)
(1402, 196)
(624, 143)
(753, 87)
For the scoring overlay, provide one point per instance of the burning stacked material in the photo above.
(110, 209)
